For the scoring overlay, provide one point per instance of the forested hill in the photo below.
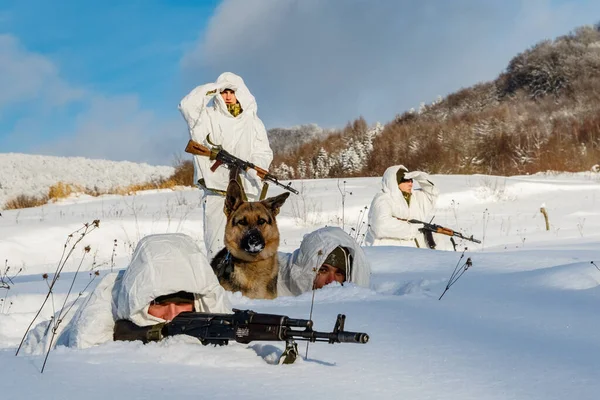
(287, 140)
(541, 113)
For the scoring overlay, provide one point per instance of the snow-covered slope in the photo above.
(33, 175)
(521, 323)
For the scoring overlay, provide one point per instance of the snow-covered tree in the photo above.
(350, 160)
(284, 171)
(302, 169)
(322, 164)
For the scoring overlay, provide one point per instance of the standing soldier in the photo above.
(229, 121)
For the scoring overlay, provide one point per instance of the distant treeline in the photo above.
(541, 113)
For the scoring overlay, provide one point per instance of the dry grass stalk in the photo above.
(75, 238)
(545, 214)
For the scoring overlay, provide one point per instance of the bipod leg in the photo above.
(290, 353)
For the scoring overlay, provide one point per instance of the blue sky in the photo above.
(100, 55)
(103, 79)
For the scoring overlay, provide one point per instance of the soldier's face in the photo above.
(228, 96)
(327, 274)
(406, 186)
(168, 310)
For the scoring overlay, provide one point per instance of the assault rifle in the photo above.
(243, 326)
(440, 229)
(221, 156)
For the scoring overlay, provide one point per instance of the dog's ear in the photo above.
(275, 203)
(233, 198)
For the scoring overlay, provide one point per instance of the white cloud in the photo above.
(117, 128)
(331, 61)
(111, 127)
(29, 77)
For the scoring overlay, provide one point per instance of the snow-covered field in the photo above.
(521, 323)
(32, 175)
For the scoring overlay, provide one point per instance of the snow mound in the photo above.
(578, 276)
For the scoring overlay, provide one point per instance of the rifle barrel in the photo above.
(288, 187)
(352, 337)
(472, 239)
(331, 337)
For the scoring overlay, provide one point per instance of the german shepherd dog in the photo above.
(248, 263)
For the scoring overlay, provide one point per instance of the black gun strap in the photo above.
(202, 185)
(263, 192)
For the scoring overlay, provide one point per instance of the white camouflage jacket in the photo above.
(243, 136)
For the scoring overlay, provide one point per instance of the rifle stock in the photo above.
(198, 149)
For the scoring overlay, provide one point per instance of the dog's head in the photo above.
(251, 232)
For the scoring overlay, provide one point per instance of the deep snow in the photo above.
(522, 323)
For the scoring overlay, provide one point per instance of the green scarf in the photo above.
(406, 197)
(234, 109)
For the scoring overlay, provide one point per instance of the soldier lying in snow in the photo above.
(167, 275)
(325, 255)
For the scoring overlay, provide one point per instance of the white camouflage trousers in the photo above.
(214, 223)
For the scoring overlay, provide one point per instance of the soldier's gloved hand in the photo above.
(127, 330)
(418, 176)
(412, 174)
(227, 85)
(156, 332)
(212, 89)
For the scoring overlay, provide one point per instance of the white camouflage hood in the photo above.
(229, 80)
(389, 184)
(164, 264)
(298, 273)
